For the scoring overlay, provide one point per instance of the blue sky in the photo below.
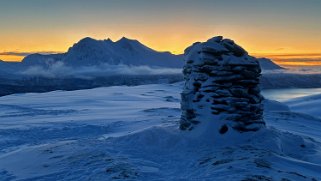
(274, 26)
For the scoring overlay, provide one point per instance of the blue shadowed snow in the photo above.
(131, 133)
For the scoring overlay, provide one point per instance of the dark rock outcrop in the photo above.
(221, 84)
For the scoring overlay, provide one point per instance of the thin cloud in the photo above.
(60, 70)
(286, 55)
(23, 54)
(298, 55)
(307, 61)
(301, 60)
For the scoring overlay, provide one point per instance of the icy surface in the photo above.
(131, 133)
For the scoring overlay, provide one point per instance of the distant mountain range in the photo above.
(95, 63)
(91, 52)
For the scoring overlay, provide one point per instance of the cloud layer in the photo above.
(60, 70)
(23, 54)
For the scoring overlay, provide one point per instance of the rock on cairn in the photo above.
(221, 85)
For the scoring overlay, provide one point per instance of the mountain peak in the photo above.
(84, 43)
(86, 40)
(129, 44)
(268, 64)
(108, 40)
(125, 40)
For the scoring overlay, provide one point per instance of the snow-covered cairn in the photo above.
(221, 86)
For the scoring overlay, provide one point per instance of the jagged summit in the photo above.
(87, 42)
(108, 40)
(129, 44)
(125, 39)
(86, 39)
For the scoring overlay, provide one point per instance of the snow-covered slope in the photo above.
(267, 64)
(131, 133)
(42, 60)
(9, 68)
(89, 52)
(285, 79)
(310, 105)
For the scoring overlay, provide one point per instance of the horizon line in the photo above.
(20, 55)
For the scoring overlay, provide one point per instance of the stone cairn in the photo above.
(221, 82)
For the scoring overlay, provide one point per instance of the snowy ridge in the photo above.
(132, 134)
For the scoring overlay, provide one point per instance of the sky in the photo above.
(280, 29)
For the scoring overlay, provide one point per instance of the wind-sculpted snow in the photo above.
(131, 133)
(309, 104)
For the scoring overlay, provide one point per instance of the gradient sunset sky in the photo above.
(279, 28)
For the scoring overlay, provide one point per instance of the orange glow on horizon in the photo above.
(268, 29)
(277, 58)
(175, 44)
(289, 63)
(11, 58)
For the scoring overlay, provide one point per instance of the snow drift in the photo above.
(132, 134)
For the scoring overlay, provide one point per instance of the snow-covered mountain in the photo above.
(267, 64)
(89, 52)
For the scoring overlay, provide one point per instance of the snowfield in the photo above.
(131, 133)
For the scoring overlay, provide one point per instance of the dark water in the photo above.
(286, 94)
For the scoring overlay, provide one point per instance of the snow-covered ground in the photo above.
(131, 133)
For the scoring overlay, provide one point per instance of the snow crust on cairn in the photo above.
(221, 88)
